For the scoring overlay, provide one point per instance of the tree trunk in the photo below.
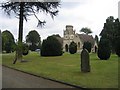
(20, 36)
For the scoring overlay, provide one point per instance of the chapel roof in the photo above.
(85, 38)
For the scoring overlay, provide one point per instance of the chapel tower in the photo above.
(69, 35)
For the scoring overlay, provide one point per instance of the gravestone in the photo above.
(85, 61)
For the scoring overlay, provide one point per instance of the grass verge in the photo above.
(66, 68)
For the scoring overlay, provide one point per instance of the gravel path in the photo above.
(16, 79)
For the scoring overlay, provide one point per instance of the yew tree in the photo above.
(24, 9)
(8, 41)
(34, 39)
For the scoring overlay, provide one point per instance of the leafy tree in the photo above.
(104, 50)
(39, 45)
(33, 47)
(8, 42)
(25, 49)
(51, 47)
(33, 38)
(24, 9)
(86, 30)
(72, 48)
(88, 46)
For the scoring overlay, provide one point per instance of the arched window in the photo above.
(66, 48)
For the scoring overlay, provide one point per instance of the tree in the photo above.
(104, 50)
(24, 9)
(88, 46)
(57, 36)
(108, 32)
(8, 43)
(72, 47)
(111, 31)
(86, 30)
(51, 47)
(117, 37)
(25, 49)
(39, 45)
(117, 47)
(33, 38)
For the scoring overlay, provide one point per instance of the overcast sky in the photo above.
(79, 13)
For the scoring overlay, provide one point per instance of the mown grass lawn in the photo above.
(104, 74)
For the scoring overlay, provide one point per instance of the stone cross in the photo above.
(85, 61)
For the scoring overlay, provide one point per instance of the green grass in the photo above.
(104, 74)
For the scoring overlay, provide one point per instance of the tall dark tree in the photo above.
(111, 31)
(108, 32)
(86, 30)
(24, 9)
(8, 43)
(117, 36)
(33, 38)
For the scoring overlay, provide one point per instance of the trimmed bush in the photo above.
(104, 50)
(51, 47)
(88, 46)
(72, 48)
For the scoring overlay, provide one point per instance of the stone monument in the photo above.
(85, 61)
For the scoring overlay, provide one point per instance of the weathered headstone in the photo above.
(85, 61)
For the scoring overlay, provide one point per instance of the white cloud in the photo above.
(82, 13)
(119, 10)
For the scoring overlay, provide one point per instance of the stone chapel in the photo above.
(70, 35)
